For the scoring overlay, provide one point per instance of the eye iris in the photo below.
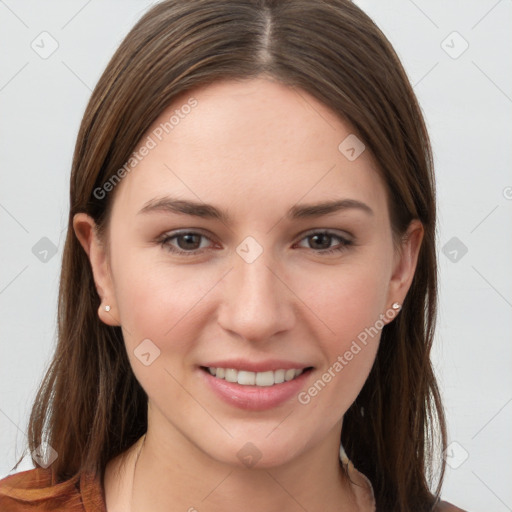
(192, 241)
(317, 241)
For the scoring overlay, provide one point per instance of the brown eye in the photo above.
(186, 242)
(322, 242)
(189, 241)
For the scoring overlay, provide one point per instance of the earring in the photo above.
(396, 305)
(107, 308)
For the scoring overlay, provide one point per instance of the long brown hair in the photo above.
(90, 407)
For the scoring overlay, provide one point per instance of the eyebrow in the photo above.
(208, 211)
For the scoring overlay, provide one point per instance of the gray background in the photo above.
(466, 96)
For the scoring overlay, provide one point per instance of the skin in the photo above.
(253, 149)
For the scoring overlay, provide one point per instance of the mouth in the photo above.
(264, 379)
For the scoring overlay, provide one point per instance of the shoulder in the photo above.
(444, 506)
(37, 477)
(37, 489)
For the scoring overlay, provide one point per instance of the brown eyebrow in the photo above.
(208, 211)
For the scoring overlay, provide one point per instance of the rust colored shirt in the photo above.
(36, 490)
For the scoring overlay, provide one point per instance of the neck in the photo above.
(170, 479)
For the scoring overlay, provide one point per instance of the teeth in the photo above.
(246, 378)
(263, 379)
(279, 376)
(231, 375)
(289, 375)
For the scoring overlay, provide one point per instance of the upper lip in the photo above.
(256, 366)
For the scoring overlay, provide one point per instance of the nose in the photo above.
(257, 302)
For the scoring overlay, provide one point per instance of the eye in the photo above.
(321, 242)
(187, 243)
(190, 243)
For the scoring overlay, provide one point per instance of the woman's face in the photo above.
(220, 254)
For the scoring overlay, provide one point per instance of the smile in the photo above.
(262, 379)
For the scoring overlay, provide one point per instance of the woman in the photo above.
(248, 290)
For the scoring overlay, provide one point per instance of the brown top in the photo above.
(36, 490)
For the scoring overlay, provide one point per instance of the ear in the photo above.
(86, 232)
(405, 260)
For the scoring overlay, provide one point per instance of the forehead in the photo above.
(252, 143)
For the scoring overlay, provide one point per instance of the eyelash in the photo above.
(165, 242)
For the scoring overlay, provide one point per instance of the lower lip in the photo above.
(255, 398)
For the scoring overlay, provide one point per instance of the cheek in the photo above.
(349, 302)
(162, 304)
(158, 301)
(347, 299)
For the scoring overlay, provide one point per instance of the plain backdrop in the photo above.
(458, 57)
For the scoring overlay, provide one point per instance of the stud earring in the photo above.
(396, 305)
(107, 308)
